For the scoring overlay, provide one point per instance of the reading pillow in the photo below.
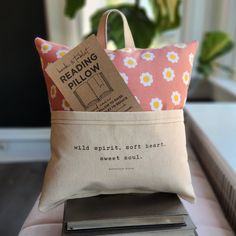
(96, 153)
(158, 78)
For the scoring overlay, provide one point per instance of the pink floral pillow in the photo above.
(158, 78)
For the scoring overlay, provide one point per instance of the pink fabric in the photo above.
(206, 213)
(158, 78)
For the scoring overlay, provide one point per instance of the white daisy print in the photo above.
(148, 56)
(156, 104)
(176, 98)
(172, 57)
(53, 91)
(130, 62)
(65, 105)
(125, 77)
(137, 99)
(186, 77)
(180, 45)
(168, 74)
(146, 79)
(190, 58)
(45, 47)
(112, 56)
(61, 53)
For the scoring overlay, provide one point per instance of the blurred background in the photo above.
(153, 23)
(25, 114)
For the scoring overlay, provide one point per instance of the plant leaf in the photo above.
(166, 14)
(142, 28)
(215, 44)
(205, 69)
(72, 6)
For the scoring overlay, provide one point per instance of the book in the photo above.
(133, 214)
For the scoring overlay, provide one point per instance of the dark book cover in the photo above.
(126, 213)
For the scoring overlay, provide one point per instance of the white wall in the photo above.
(200, 16)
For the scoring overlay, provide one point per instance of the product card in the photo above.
(90, 82)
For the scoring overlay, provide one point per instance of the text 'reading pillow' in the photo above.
(158, 78)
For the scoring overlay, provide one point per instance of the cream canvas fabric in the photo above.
(116, 152)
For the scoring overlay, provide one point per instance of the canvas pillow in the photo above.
(158, 78)
(116, 152)
(122, 152)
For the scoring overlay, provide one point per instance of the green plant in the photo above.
(214, 45)
(144, 29)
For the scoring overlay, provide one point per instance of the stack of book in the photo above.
(127, 214)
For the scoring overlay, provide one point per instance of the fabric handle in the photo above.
(102, 30)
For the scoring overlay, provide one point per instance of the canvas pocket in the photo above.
(116, 152)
